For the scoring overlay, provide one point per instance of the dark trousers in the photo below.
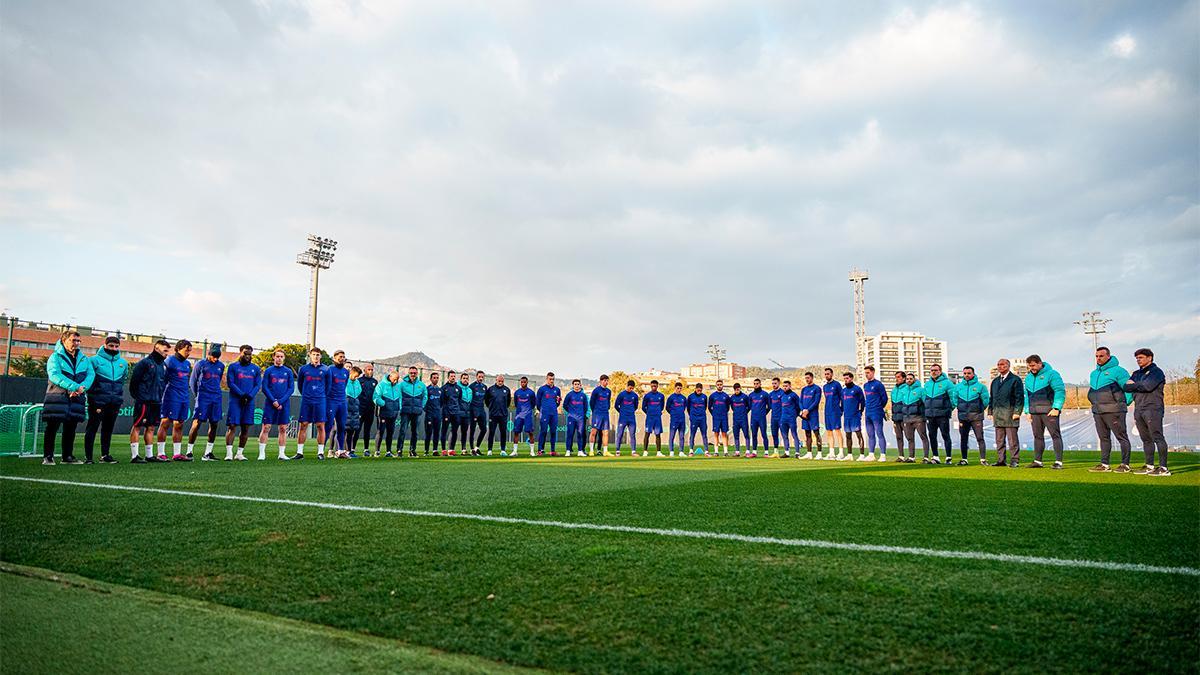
(1150, 428)
(942, 424)
(898, 427)
(964, 435)
(913, 426)
(433, 432)
(479, 425)
(410, 421)
(1107, 426)
(102, 418)
(68, 438)
(387, 427)
(757, 427)
(449, 432)
(497, 426)
(367, 420)
(1042, 423)
(1007, 443)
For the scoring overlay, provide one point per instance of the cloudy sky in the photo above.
(584, 187)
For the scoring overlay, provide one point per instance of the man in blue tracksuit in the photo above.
(626, 404)
(479, 416)
(147, 382)
(336, 377)
(810, 416)
(451, 401)
(1045, 395)
(1110, 405)
(278, 385)
(853, 402)
(524, 405)
(739, 405)
(775, 395)
(718, 409)
(971, 400)
(876, 400)
(433, 414)
(176, 395)
(677, 413)
(831, 391)
(313, 387)
(760, 405)
(549, 398)
(498, 398)
(413, 399)
(598, 403)
(697, 416)
(939, 398)
(1146, 385)
(789, 413)
(653, 404)
(244, 379)
(205, 385)
(575, 405)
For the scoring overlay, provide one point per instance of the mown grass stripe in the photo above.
(662, 532)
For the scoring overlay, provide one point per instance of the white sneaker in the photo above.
(882, 458)
(240, 457)
(504, 453)
(262, 456)
(489, 453)
(672, 453)
(659, 454)
(866, 458)
(807, 455)
(531, 452)
(935, 460)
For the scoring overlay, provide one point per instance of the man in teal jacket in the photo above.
(104, 398)
(1044, 397)
(971, 400)
(1110, 403)
(939, 399)
(413, 396)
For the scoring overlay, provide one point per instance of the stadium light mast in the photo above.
(718, 355)
(857, 277)
(318, 256)
(1095, 326)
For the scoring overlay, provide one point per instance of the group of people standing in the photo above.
(342, 402)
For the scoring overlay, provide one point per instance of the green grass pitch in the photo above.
(222, 585)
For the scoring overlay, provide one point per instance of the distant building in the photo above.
(909, 351)
(710, 371)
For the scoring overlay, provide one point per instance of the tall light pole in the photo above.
(857, 277)
(1093, 325)
(318, 256)
(718, 355)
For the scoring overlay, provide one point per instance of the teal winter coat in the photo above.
(939, 396)
(971, 398)
(1045, 391)
(1106, 390)
(62, 377)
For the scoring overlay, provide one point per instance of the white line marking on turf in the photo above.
(662, 532)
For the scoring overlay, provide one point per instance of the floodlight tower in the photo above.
(857, 277)
(718, 355)
(1093, 325)
(318, 256)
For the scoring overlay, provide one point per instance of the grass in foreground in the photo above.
(596, 601)
(99, 627)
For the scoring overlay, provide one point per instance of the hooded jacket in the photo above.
(1106, 388)
(109, 386)
(1044, 391)
(65, 374)
(148, 379)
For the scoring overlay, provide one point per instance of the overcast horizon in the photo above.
(589, 187)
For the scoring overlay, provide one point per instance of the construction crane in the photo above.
(777, 363)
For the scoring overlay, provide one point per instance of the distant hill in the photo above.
(418, 359)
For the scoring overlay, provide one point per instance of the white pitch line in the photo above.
(662, 532)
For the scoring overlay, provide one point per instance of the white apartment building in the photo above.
(890, 351)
